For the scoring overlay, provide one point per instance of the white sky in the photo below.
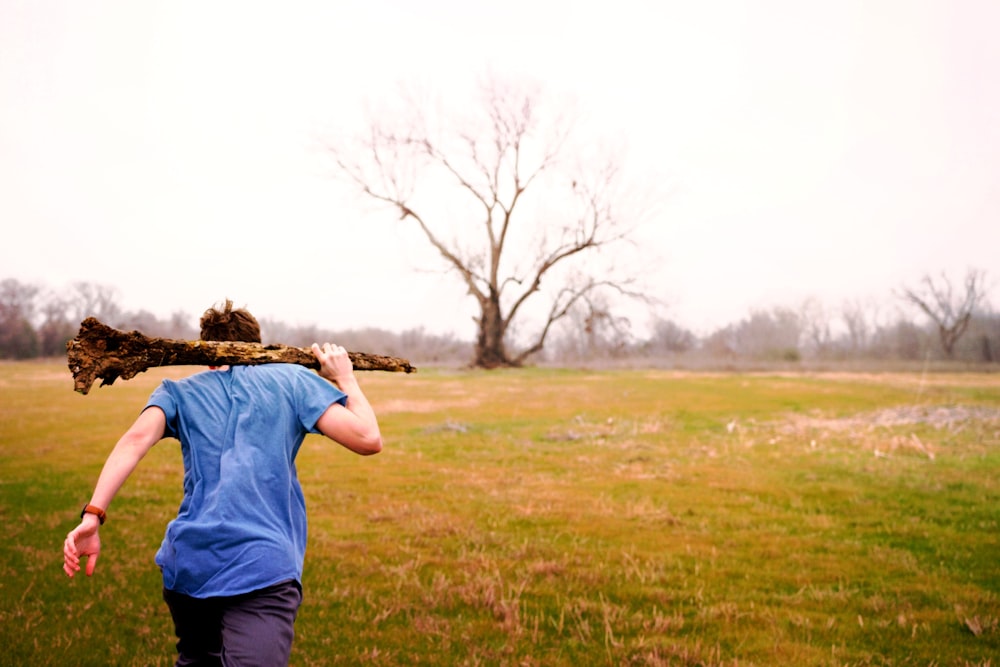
(833, 150)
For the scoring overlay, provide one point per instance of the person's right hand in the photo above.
(334, 363)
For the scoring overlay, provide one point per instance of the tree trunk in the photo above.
(490, 349)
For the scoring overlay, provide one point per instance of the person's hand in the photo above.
(82, 541)
(334, 363)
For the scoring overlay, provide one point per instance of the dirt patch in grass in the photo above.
(897, 430)
(28, 374)
(952, 418)
(422, 406)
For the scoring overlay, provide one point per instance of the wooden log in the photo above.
(105, 353)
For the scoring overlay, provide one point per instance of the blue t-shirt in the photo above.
(242, 523)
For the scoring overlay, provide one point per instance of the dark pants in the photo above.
(252, 629)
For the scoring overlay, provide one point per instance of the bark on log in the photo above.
(105, 353)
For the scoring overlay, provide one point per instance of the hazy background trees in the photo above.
(36, 321)
(18, 339)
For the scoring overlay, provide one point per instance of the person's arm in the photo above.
(84, 540)
(355, 425)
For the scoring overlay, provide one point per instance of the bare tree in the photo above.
(17, 299)
(95, 300)
(817, 334)
(951, 311)
(593, 332)
(503, 207)
(669, 337)
(861, 320)
(18, 339)
(768, 334)
(56, 329)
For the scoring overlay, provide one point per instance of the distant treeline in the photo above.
(37, 322)
(787, 336)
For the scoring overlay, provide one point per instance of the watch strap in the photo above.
(96, 511)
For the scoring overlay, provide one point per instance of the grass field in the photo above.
(547, 517)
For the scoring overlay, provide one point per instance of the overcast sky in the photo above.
(833, 150)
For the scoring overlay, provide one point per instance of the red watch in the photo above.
(96, 511)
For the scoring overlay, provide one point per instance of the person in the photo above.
(232, 558)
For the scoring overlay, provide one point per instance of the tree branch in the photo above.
(100, 352)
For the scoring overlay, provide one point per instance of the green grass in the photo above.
(557, 517)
